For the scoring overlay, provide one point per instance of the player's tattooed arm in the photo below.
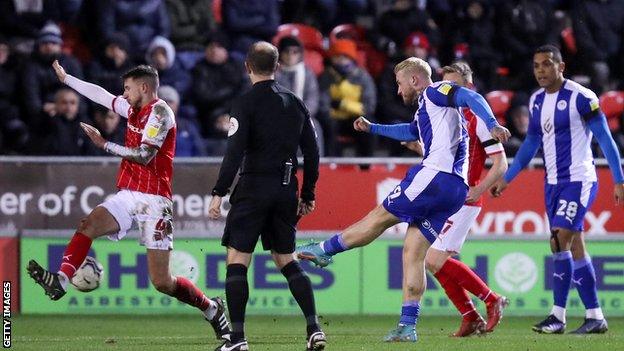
(142, 154)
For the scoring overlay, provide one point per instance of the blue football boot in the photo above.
(592, 326)
(550, 325)
(314, 253)
(402, 333)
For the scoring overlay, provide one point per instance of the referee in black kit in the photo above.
(267, 126)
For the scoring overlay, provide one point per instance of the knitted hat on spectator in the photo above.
(344, 47)
(217, 37)
(417, 39)
(289, 41)
(119, 39)
(50, 33)
(169, 94)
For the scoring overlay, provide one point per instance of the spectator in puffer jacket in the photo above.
(248, 21)
(107, 69)
(217, 80)
(347, 92)
(39, 82)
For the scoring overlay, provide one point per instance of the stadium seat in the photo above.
(612, 104)
(569, 42)
(314, 60)
(348, 31)
(216, 11)
(500, 101)
(311, 38)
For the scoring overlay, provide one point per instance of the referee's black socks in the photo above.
(237, 294)
(301, 289)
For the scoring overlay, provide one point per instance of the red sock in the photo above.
(456, 294)
(75, 254)
(467, 279)
(188, 293)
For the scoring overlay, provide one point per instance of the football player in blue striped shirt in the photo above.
(563, 118)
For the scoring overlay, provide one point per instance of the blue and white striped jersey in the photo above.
(560, 120)
(442, 130)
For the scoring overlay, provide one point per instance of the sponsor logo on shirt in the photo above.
(135, 129)
(445, 88)
(153, 129)
(594, 105)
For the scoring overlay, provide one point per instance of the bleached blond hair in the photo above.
(414, 65)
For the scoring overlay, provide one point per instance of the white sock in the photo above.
(63, 280)
(594, 313)
(210, 312)
(559, 312)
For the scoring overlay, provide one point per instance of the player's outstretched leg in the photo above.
(585, 280)
(55, 284)
(359, 234)
(47, 280)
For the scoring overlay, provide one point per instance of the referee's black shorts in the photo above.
(262, 207)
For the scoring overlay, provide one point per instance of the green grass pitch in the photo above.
(187, 332)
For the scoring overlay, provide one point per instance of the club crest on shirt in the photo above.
(561, 105)
(233, 126)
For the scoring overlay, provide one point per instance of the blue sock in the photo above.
(585, 281)
(334, 245)
(409, 312)
(562, 276)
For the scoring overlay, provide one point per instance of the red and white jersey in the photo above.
(154, 124)
(480, 147)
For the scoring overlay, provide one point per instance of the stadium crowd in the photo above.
(337, 55)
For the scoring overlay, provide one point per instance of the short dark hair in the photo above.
(550, 49)
(147, 73)
(461, 68)
(262, 58)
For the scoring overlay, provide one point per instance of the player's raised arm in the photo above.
(93, 92)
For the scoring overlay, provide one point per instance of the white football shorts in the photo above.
(153, 214)
(456, 228)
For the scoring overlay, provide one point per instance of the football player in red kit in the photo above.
(144, 196)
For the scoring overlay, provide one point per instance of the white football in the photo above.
(88, 276)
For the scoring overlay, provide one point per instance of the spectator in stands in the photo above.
(108, 123)
(417, 45)
(248, 21)
(476, 29)
(296, 77)
(524, 25)
(162, 55)
(402, 19)
(106, 70)
(189, 141)
(141, 20)
(191, 21)
(347, 92)
(21, 21)
(519, 125)
(13, 131)
(598, 28)
(63, 134)
(39, 81)
(217, 80)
